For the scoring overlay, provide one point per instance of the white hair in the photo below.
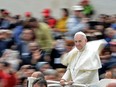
(81, 33)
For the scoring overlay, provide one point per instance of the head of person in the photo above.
(32, 23)
(27, 70)
(40, 82)
(38, 74)
(80, 40)
(65, 12)
(28, 14)
(42, 66)
(110, 32)
(78, 11)
(51, 74)
(33, 46)
(28, 34)
(69, 45)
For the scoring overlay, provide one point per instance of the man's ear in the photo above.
(86, 40)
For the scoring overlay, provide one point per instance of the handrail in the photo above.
(57, 83)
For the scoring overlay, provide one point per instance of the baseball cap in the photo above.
(77, 7)
(85, 1)
(46, 12)
(27, 14)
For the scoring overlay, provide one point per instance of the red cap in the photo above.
(85, 1)
(46, 12)
(27, 14)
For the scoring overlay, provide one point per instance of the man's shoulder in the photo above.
(72, 18)
(43, 25)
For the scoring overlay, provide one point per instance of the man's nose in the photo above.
(77, 44)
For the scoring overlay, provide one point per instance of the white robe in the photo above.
(83, 66)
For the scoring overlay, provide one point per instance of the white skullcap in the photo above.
(80, 33)
(77, 7)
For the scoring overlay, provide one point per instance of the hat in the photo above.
(113, 42)
(46, 12)
(84, 1)
(77, 7)
(27, 14)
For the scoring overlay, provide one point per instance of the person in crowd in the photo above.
(60, 72)
(22, 82)
(47, 18)
(43, 34)
(3, 43)
(42, 66)
(113, 20)
(28, 16)
(76, 22)
(60, 28)
(12, 57)
(8, 75)
(111, 72)
(105, 20)
(5, 23)
(110, 34)
(105, 55)
(69, 45)
(112, 60)
(88, 8)
(27, 36)
(51, 74)
(113, 49)
(84, 63)
(35, 54)
(37, 74)
(56, 53)
(17, 31)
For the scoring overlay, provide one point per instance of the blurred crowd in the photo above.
(30, 45)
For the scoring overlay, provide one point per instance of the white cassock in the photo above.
(83, 65)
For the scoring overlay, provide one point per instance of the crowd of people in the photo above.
(29, 45)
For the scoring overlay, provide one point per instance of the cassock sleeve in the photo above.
(67, 75)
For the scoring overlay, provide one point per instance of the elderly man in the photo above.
(83, 62)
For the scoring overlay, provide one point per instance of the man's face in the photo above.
(113, 48)
(80, 41)
(78, 13)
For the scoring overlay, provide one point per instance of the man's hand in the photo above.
(70, 82)
(62, 82)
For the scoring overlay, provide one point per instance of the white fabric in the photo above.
(97, 45)
(83, 66)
